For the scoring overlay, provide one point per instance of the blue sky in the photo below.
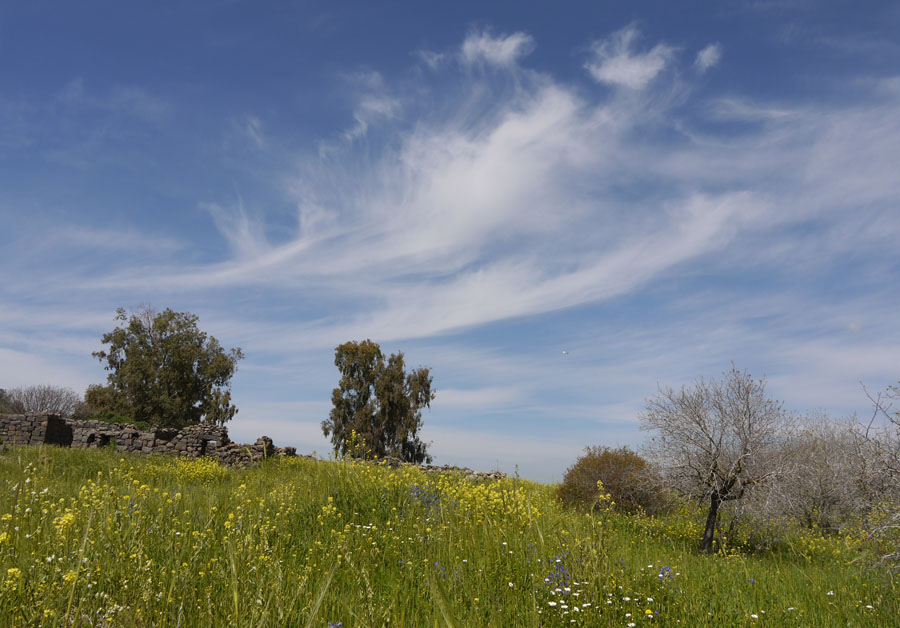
(658, 188)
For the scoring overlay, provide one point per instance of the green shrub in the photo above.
(85, 411)
(112, 418)
(626, 477)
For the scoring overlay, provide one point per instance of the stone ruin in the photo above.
(467, 473)
(193, 440)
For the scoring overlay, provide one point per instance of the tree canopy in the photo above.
(39, 399)
(378, 401)
(717, 439)
(165, 371)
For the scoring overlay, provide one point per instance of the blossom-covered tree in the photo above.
(716, 440)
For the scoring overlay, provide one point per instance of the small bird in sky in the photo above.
(565, 352)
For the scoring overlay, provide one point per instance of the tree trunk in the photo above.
(712, 517)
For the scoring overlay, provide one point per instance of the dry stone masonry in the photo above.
(467, 473)
(194, 440)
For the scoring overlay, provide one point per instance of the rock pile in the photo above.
(193, 440)
(469, 474)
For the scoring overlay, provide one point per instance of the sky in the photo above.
(557, 207)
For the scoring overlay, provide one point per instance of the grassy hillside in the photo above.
(92, 538)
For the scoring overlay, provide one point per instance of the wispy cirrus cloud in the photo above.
(253, 130)
(616, 63)
(374, 103)
(708, 58)
(514, 209)
(244, 234)
(453, 204)
(504, 50)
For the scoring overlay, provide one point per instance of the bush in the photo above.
(625, 476)
(87, 412)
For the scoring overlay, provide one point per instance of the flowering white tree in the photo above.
(716, 440)
(881, 440)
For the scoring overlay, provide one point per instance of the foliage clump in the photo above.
(377, 401)
(165, 371)
(623, 474)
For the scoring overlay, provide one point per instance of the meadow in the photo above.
(92, 538)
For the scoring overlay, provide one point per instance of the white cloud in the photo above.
(253, 130)
(19, 369)
(615, 63)
(829, 373)
(479, 397)
(372, 107)
(245, 235)
(534, 456)
(373, 103)
(509, 210)
(745, 111)
(501, 51)
(431, 58)
(514, 201)
(708, 58)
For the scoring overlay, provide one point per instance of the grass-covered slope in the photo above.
(91, 538)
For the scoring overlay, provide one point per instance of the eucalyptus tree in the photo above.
(379, 402)
(164, 370)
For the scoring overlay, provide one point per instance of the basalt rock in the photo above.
(193, 440)
(469, 474)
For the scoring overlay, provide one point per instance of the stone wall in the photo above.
(194, 440)
(34, 429)
(467, 473)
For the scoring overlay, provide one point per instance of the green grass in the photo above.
(92, 538)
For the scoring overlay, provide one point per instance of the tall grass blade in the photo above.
(439, 593)
(322, 591)
(84, 540)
